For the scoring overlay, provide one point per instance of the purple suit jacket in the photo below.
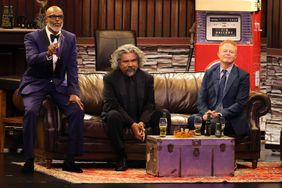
(39, 69)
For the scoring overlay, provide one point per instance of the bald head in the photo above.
(54, 10)
(54, 18)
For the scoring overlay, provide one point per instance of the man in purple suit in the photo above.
(52, 70)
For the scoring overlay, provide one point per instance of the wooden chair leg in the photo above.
(48, 163)
(281, 146)
(254, 164)
(2, 114)
(2, 138)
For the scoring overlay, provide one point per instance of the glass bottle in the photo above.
(218, 126)
(8, 17)
(11, 11)
(208, 125)
(163, 125)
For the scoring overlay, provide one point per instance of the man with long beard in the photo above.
(52, 70)
(129, 100)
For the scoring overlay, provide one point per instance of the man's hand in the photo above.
(138, 131)
(205, 116)
(213, 114)
(52, 49)
(76, 99)
(142, 130)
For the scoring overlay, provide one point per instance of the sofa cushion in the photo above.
(177, 92)
(91, 89)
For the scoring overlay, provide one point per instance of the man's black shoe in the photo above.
(71, 167)
(121, 165)
(28, 168)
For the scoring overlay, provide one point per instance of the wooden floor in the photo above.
(11, 177)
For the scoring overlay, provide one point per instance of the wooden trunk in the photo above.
(197, 156)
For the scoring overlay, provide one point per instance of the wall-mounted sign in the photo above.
(222, 27)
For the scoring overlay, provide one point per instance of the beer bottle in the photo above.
(218, 126)
(208, 125)
(163, 125)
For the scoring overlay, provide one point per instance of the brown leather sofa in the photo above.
(176, 92)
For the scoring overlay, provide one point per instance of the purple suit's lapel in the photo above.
(61, 48)
(43, 39)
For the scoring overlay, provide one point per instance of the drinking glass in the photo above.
(222, 121)
(198, 125)
(163, 126)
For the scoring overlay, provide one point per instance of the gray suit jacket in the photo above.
(235, 97)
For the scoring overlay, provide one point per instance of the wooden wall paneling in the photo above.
(111, 14)
(94, 16)
(1, 8)
(142, 17)
(280, 25)
(269, 23)
(134, 17)
(102, 14)
(92, 23)
(86, 17)
(14, 3)
(174, 18)
(150, 18)
(5, 2)
(59, 3)
(166, 18)
(190, 14)
(182, 18)
(126, 15)
(118, 14)
(78, 22)
(70, 14)
(29, 7)
(275, 26)
(263, 18)
(158, 18)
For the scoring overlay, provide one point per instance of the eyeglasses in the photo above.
(54, 17)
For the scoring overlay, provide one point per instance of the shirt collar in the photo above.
(49, 33)
(228, 69)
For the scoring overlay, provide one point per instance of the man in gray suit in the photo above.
(225, 91)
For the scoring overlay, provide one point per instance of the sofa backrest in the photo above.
(176, 92)
(91, 91)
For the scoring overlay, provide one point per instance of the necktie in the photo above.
(53, 37)
(221, 86)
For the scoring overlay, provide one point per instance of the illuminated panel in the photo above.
(222, 27)
(210, 34)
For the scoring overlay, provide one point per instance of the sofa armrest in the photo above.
(258, 105)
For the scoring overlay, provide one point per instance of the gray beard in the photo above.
(56, 29)
(130, 72)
